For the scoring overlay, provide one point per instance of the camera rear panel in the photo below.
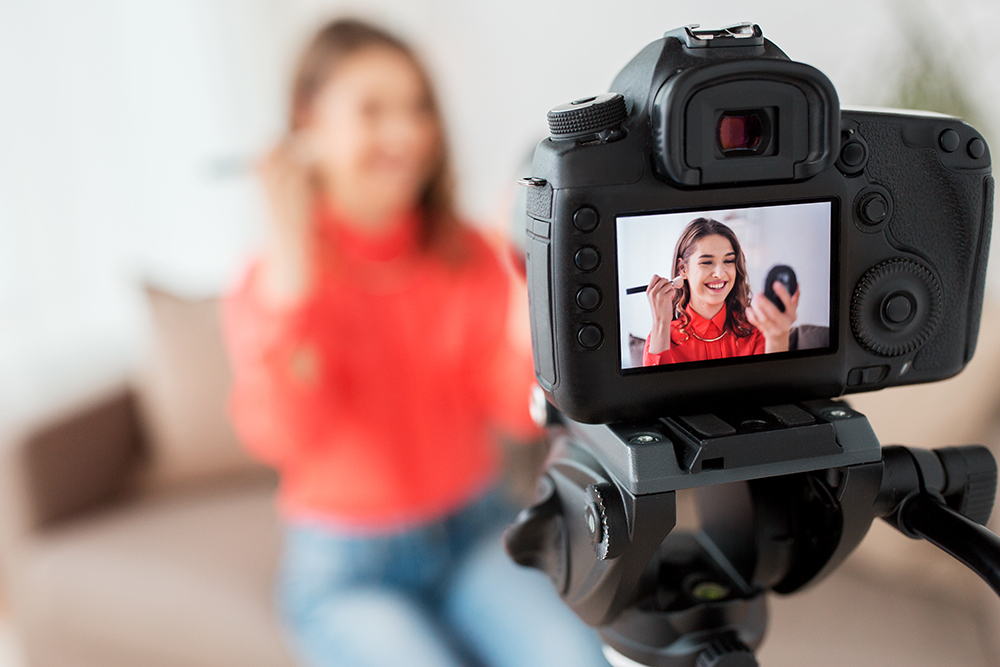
(910, 206)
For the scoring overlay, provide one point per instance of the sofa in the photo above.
(135, 531)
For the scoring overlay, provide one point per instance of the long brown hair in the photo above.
(332, 45)
(738, 298)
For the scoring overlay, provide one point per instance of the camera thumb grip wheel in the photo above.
(896, 307)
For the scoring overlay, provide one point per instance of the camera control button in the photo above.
(590, 336)
(790, 415)
(588, 297)
(708, 425)
(587, 258)
(539, 228)
(859, 377)
(949, 140)
(976, 148)
(897, 309)
(585, 219)
(874, 208)
(852, 154)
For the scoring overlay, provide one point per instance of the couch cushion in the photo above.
(182, 579)
(183, 389)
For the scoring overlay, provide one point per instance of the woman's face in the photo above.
(710, 270)
(373, 133)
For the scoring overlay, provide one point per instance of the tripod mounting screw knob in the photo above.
(605, 519)
(726, 651)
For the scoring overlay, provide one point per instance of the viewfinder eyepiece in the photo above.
(782, 114)
(742, 132)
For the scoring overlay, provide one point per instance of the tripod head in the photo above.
(603, 525)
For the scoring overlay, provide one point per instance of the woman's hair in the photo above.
(325, 54)
(738, 298)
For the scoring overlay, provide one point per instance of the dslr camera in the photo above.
(715, 251)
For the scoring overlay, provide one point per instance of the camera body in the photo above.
(885, 217)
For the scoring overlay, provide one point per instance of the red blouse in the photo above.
(686, 347)
(378, 395)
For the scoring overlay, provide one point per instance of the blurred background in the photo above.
(128, 130)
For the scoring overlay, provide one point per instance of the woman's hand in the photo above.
(286, 174)
(772, 323)
(660, 294)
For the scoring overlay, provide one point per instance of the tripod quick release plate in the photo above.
(687, 451)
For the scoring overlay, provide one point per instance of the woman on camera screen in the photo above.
(706, 312)
(376, 351)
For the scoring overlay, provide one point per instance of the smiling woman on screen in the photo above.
(710, 314)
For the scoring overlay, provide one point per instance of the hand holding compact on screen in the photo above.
(772, 323)
(660, 294)
(286, 174)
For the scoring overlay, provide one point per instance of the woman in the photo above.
(373, 357)
(710, 315)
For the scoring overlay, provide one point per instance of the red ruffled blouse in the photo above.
(687, 346)
(378, 396)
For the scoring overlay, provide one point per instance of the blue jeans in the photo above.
(439, 595)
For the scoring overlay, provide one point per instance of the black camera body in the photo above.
(722, 123)
(714, 251)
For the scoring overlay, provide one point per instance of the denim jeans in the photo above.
(439, 595)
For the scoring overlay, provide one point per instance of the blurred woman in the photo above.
(375, 356)
(705, 312)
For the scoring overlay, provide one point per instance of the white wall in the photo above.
(127, 126)
(114, 119)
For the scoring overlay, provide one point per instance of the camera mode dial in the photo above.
(896, 307)
(588, 116)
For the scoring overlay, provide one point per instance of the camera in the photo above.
(715, 251)
(883, 216)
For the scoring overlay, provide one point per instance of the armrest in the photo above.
(70, 459)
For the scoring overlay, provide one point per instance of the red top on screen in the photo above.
(704, 340)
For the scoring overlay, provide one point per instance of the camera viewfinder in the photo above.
(742, 132)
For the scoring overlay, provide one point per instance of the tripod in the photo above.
(785, 493)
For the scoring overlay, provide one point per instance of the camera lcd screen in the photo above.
(700, 286)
